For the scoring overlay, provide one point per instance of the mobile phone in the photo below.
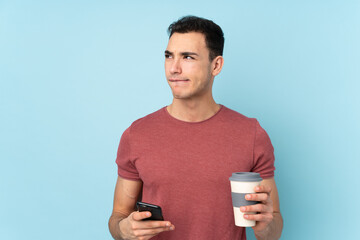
(156, 213)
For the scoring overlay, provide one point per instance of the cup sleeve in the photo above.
(125, 158)
(263, 156)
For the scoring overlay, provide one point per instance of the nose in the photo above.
(175, 67)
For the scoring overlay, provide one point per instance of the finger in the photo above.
(263, 189)
(261, 208)
(259, 217)
(151, 224)
(261, 197)
(152, 231)
(138, 216)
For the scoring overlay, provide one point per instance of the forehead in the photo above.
(192, 41)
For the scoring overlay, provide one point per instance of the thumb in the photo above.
(137, 216)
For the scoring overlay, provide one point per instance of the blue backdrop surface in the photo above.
(75, 74)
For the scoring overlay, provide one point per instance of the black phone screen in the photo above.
(156, 213)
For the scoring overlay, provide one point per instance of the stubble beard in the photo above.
(193, 93)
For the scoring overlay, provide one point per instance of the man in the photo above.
(181, 156)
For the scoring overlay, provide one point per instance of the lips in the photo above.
(178, 80)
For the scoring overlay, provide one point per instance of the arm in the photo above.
(124, 222)
(125, 196)
(269, 220)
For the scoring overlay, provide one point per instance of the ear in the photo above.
(217, 65)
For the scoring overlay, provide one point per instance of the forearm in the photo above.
(114, 226)
(274, 229)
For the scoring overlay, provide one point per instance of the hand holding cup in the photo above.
(243, 184)
(264, 209)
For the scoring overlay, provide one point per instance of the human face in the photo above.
(188, 69)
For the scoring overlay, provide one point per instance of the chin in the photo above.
(182, 95)
(176, 96)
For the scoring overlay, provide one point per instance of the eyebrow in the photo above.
(182, 53)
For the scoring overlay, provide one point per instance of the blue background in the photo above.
(75, 74)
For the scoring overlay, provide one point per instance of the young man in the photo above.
(181, 156)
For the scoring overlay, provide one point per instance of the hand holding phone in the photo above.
(156, 213)
(134, 226)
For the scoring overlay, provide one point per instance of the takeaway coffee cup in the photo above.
(243, 183)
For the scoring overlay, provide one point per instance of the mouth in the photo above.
(178, 80)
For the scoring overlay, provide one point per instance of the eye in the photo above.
(188, 57)
(167, 56)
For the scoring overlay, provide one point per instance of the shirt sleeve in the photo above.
(125, 160)
(263, 153)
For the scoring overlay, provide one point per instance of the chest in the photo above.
(193, 158)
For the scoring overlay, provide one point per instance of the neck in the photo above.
(193, 111)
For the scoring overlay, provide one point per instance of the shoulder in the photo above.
(240, 121)
(234, 117)
(151, 120)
